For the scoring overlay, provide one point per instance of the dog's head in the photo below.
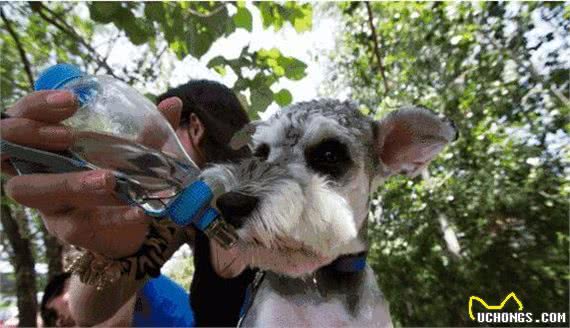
(302, 200)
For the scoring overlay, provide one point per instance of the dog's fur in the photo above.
(316, 164)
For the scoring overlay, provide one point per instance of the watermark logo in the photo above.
(493, 307)
(511, 317)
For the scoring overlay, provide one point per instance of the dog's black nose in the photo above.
(235, 207)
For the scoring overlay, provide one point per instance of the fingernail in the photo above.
(56, 134)
(95, 180)
(60, 99)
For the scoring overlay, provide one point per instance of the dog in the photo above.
(300, 207)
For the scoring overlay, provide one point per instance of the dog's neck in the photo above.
(326, 284)
(349, 263)
(346, 268)
(339, 276)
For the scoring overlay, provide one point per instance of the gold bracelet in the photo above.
(101, 271)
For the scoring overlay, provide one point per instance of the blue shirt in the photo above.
(162, 303)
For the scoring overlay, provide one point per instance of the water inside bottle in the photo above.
(153, 177)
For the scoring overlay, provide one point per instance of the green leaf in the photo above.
(301, 16)
(104, 11)
(294, 68)
(198, 41)
(179, 49)
(218, 63)
(283, 97)
(220, 70)
(138, 31)
(243, 18)
(270, 15)
(280, 65)
(240, 85)
(275, 14)
(269, 53)
(204, 31)
(155, 11)
(261, 97)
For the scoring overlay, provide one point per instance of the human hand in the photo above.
(78, 208)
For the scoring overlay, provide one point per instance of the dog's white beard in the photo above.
(327, 222)
(301, 229)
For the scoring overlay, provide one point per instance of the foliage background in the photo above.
(493, 215)
(490, 216)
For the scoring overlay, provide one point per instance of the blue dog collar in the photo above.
(346, 264)
(350, 263)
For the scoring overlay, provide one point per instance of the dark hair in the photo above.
(219, 110)
(53, 289)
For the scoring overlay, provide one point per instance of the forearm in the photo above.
(90, 306)
(123, 317)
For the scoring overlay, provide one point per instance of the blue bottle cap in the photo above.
(56, 76)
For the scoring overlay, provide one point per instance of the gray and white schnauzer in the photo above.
(300, 206)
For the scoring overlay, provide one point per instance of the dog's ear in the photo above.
(409, 138)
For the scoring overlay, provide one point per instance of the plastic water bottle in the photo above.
(118, 129)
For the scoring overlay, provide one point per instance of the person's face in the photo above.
(60, 305)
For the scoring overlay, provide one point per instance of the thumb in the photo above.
(171, 108)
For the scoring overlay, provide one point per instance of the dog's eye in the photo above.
(329, 157)
(262, 151)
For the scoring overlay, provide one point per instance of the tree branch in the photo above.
(376, 47)
(53, 253)
(559, 94)
(110, 46)
(157, 58)
(56, 21)
(14, 35)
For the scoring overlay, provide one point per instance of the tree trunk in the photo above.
(24, 267)
(54, 251)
